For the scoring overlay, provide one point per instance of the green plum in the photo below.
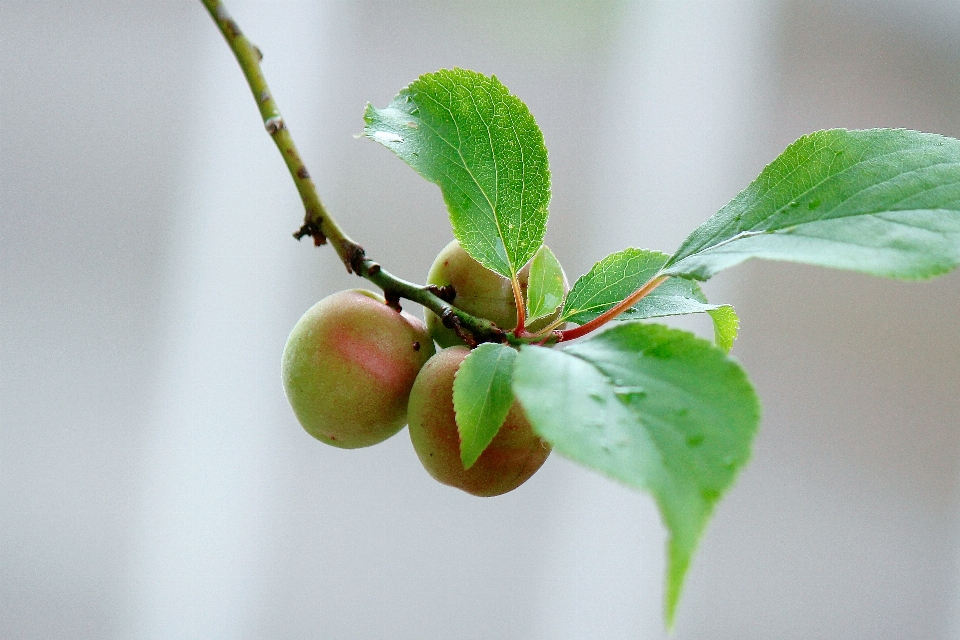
(479, 291)
(514, 454)
(349, 365)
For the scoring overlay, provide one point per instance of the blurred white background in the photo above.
(153, 482)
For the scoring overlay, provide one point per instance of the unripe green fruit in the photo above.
(514, 454)
(348, 367)
(479, 291)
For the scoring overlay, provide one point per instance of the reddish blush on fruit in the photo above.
(349, 365)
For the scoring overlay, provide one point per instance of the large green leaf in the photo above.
(465, 132)
(482, 397)
(655, 408)
(880, 201)
(620, 274)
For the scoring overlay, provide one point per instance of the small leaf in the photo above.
(726, 325)
(679, 296)
(468, 134)
(482, 397)
(610, 281)
(620, 274)
(879, 201)
(655, 408)
(545, 287)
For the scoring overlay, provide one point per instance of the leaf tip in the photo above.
(467, 457)
(369, 112)
(678, 561)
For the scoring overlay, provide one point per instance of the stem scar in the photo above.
(355, 257)
(273, 125)
(393, 300)
(446, 292)
(312, 229)
(451, 321)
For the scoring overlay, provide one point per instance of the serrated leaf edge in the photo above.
(463, 458)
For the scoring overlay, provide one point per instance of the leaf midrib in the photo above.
(494, 210)
(753, 229)
(487, 397)
(607, 288)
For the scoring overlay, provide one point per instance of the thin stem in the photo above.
(394, 288)
(547, 329)
(610, 314)
(521, 328)
(318, 223)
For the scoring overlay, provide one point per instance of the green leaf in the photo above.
(726, 325)
(655, 408)
(610, 281)
(545, 286)
(620, 274)
(679, 296)
(879, 201)
(482, 397)
(465, 132)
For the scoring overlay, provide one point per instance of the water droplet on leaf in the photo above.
(386, 136)
(629, 394)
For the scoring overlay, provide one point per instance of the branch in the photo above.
(429, 296)
(317, 222)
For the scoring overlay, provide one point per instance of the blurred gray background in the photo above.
(153, 482)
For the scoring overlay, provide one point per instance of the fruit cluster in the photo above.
(355, 371)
